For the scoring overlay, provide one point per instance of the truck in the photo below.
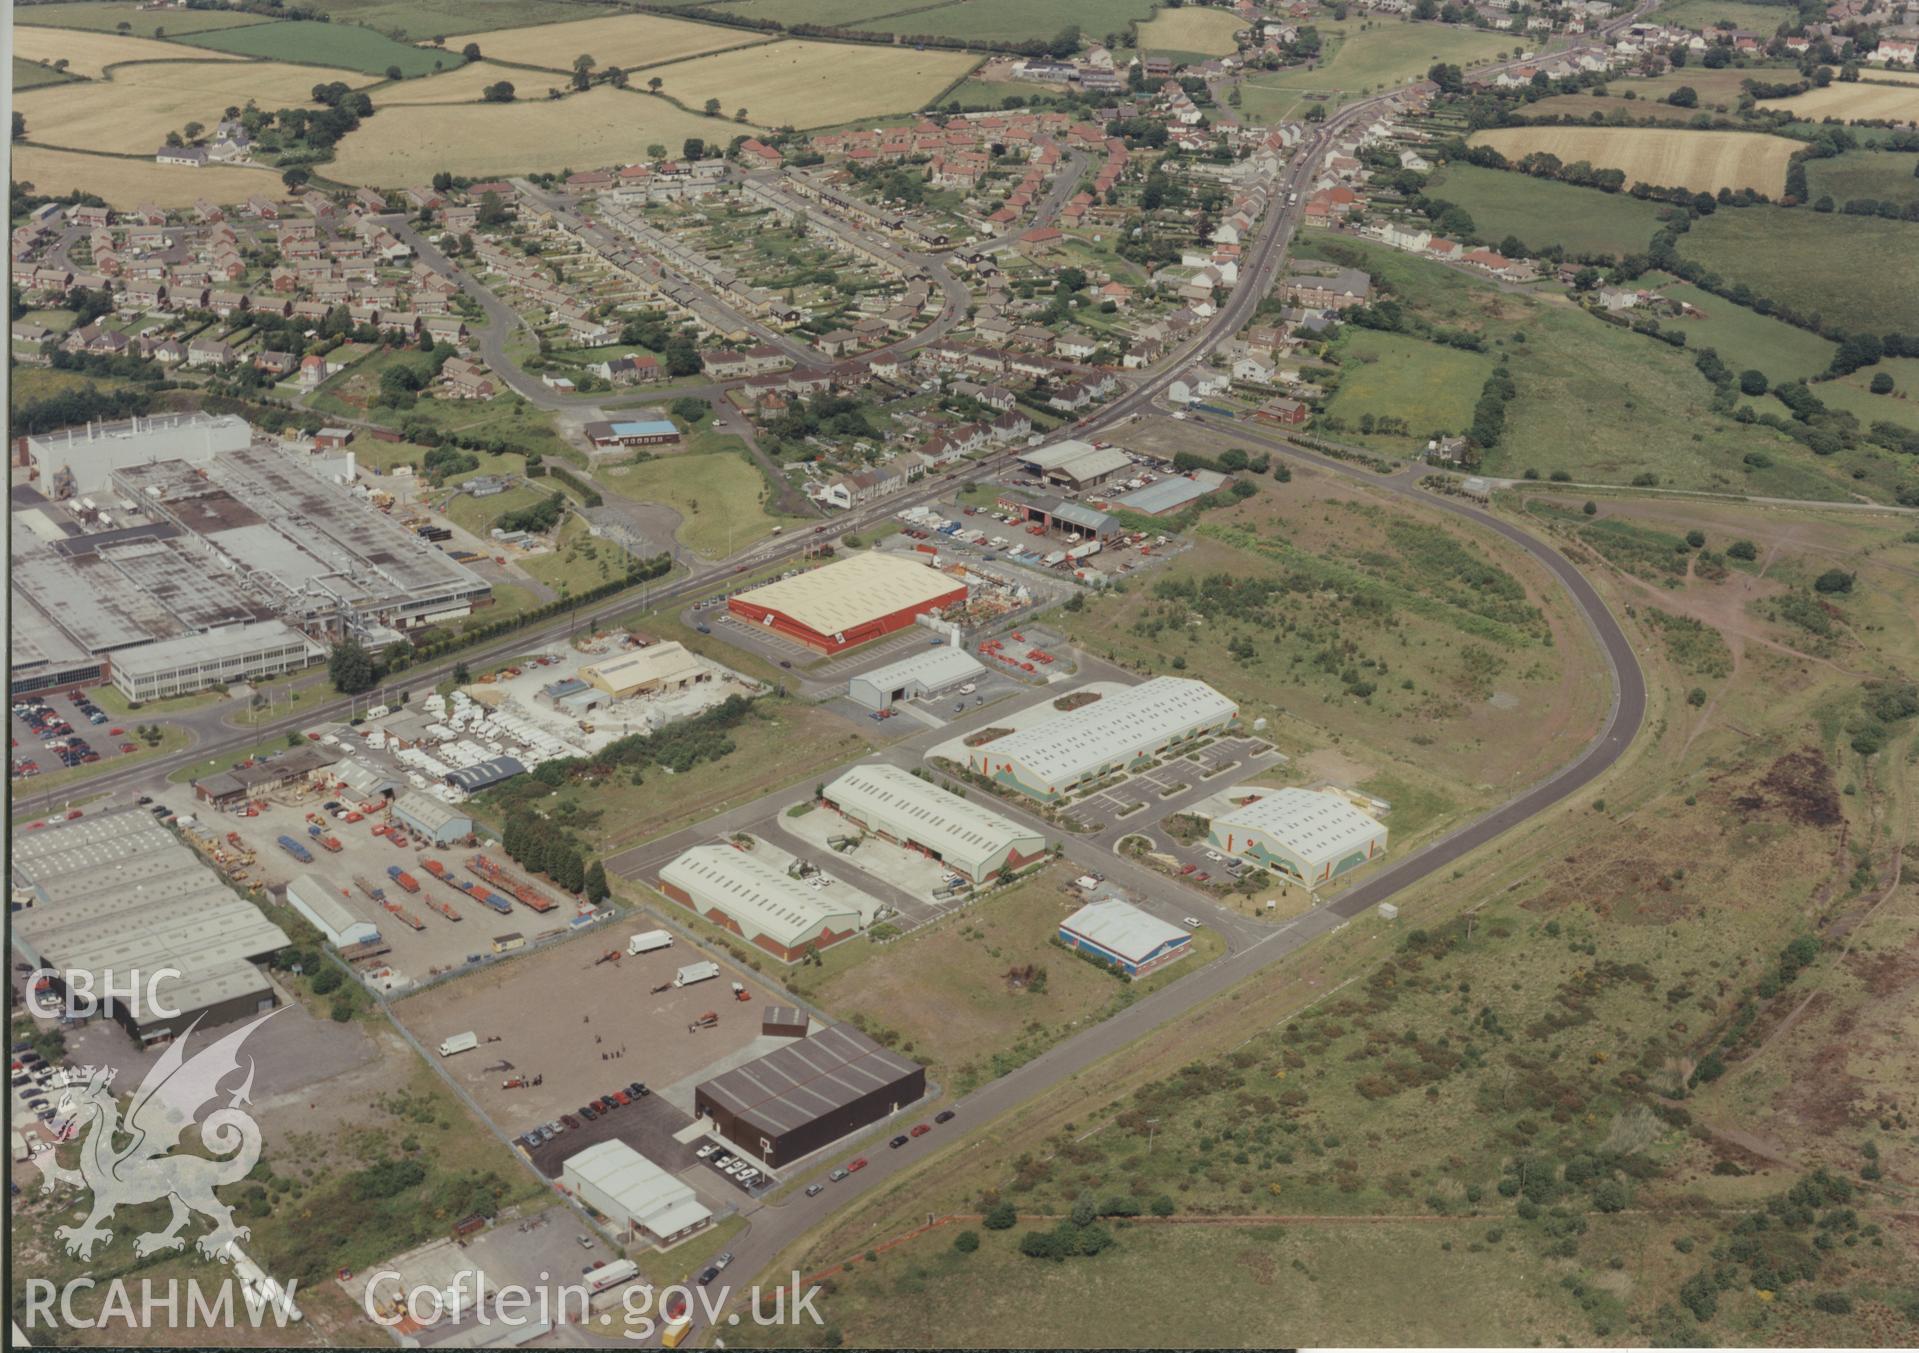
(372, 890)
(459, 1043)
(508, 942)
(296, 850)
(405, 880)
(649, 940)
(696, 972)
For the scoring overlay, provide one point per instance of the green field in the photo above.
(144, 23)
(994, 20)
(1643, 98)
(1584, 221)
(720, 496)
(973, 95)
(1607, 405)
(1433, 388)
(1365, 59)
(1860, 268)
(425, 20)
(1703, 14)
(1879, 175)
(33, 75)
(836, 13)
(1746, 338)
(328, 44)
(1851, 394)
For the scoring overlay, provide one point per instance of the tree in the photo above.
(296, 177)
(1881, 383)
(656, 152)
(1448, 77)
(1586, 279)
(693, 148)
(1835, 581)
(500, 92)
(1591, 509)
(470, 52)
(192, 131)
(1742, 549)
(583, 63)
(966, 1241)
(712, 107)
(1001, 1217)
(596, 887)
(653, 85)
(351, 668)
(1696, 538)
(395, 73)
(19, 125)
(1684, 97)
(1753, 382)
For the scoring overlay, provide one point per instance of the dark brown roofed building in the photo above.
(809, 1094)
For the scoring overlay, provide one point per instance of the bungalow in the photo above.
(193, 157)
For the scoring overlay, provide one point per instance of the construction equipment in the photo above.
(740, 993)
(709, 1020)
(610, 956)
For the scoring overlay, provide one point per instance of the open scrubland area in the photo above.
(1560, 1089)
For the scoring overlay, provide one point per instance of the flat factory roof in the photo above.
(1066, 745)
(1313, 824)
(1121, 928)
(758, 896)
(852, 592)
(430, 812)
(239, 641)
(932, 667)
(807, 1079)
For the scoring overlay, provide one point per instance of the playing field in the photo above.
(1205, 32)
(603, 126)
(89, 54)
(328, 44)
(1541, 212)
(992, 20)
(1853, 102)
(130, 183)
(132, 113)
(813, 84)
(456, 86)
(1380, 57)
(1861, 267)
(617, 40)
(1664, 157)
(143, 23)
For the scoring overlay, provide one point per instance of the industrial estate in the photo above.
(1058, 676)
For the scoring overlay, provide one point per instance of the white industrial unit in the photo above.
(1312, 835)
(1055, 756)
(933, 672)
(320, 903)
(637, 1196)
(905, 809)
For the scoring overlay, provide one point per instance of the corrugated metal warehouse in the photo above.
(643, 1201)
(481, 774)
(658, 667)
(121, 898)
(805, 1096)
(1134, 941)
(849, 602)
(932, 672)
(1058, 754)
(759, 903)
(1075, 463)
(320, 903)
(1313, 835)
(426, 816)
(911, 812)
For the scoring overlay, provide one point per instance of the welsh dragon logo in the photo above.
(131, 1161)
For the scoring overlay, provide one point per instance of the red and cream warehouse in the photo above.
(755, 900)
(849, 602)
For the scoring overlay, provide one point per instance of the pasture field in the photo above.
(843, 13)
(462, 85)
(974, 95)
(328, 44)
(1542, 212)
(132, 113)
(128, 183)
(1853, 102)
(1717, 89)
(1191, 31)
(1387, 54)
(27, 75)
(405, 144)
(1851, 394)
(720, 496)
(1001, 20)
(1604, 404)
(1861, 267)
(1390, 375)
(89, 53)
(629, 40)
(143, 23)
(812, 84)
(430, 20)
(1702, 161)
(1701, 15)
(1747, 339)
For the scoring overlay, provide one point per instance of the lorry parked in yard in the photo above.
(296, 850)
(459, 1043)
(696, 972)
(648, 941)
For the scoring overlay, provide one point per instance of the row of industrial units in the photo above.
(780, 915)
(900, 807)
(119, 902)
(1052, 758)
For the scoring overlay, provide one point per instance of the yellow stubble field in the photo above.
(1662, 156)
(814, 84)
(462, 85)
(89, 54)
(605, 126)
(132, 183)
(132, 113)
(1859, 102)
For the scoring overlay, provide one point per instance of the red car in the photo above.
(856, 1166)
(128, 747)
(922, 1129)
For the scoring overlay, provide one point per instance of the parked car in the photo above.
(588, 1112)
(837, 1175)
(898, 1141)
(815, 1190)
(586, 1241)
(855, 1166)
(707, 1275)
(944, 1116)
(705, 1151)
(921, 1129)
